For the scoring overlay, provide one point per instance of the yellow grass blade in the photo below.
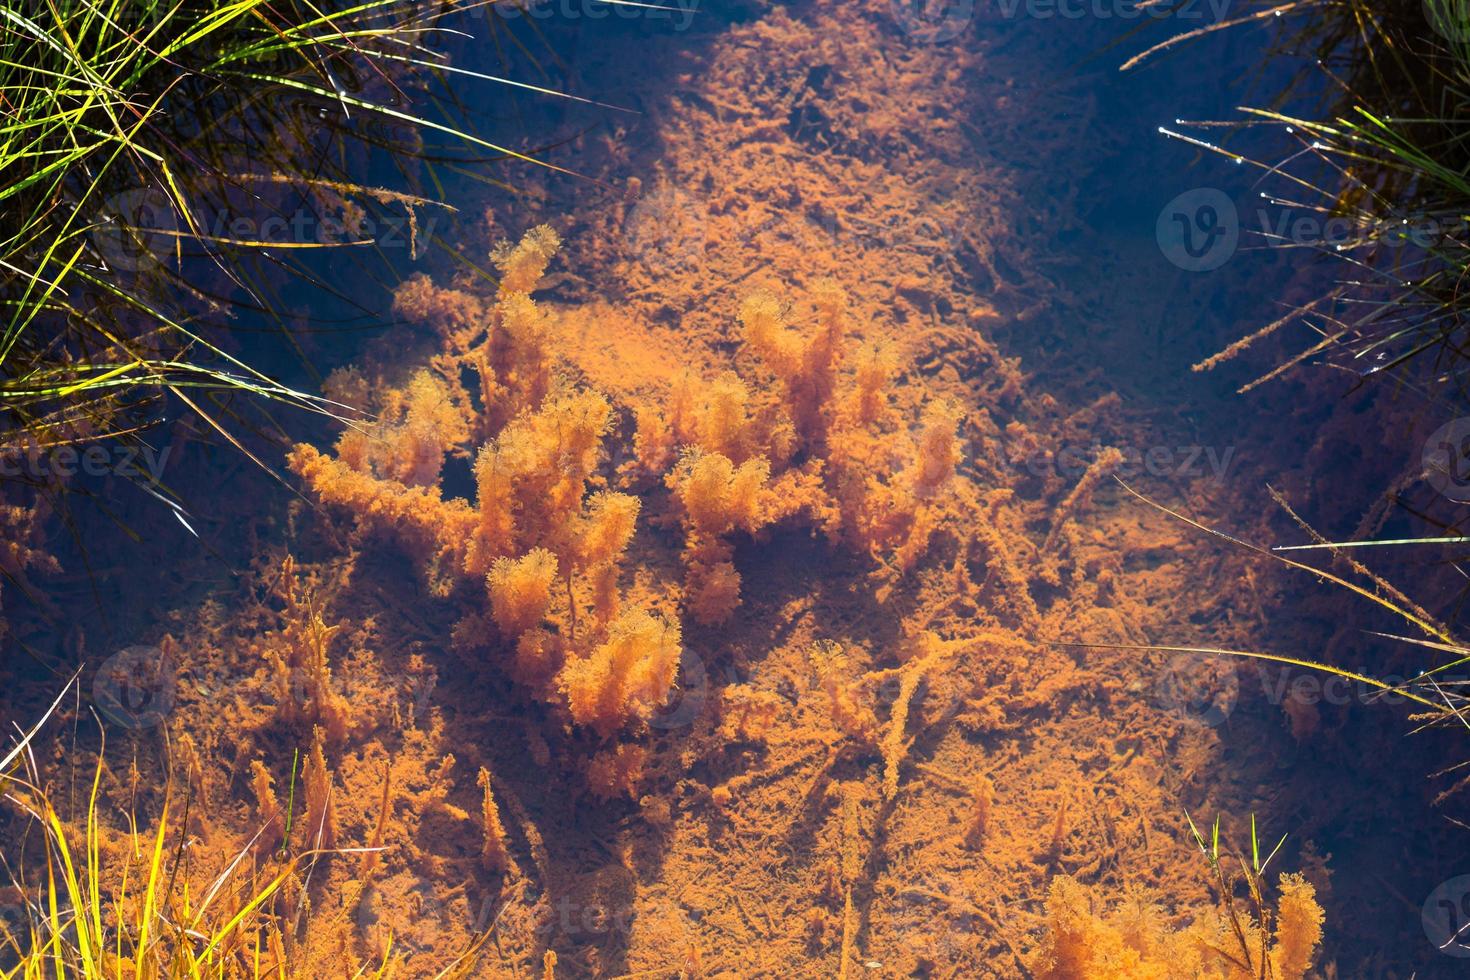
(155, 870)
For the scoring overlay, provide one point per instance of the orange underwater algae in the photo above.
(1132, 939)
(738, 575)
(548, 532)
(606, 523)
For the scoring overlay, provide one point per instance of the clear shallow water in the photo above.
(1047, 183)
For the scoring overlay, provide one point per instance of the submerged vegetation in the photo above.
(546, 537)
(749, 620)
(1090, 937)
(87, 901)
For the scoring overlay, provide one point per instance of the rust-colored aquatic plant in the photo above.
(540, 554)
(1087, 937)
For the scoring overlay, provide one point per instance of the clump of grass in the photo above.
(90, 908)
(1384, 157)
(1438, 696)
(124, 126)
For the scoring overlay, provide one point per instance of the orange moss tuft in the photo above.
(938, 450)
(520, 590)
(407, 443)
(625, 678)
(607, 528)
(873, 372)
(764, 325)
(746, 714)
(321, 806)
(653, 440)
(532, 478)
(451, 310)
(711, 591)
(495, 853)
(538, 656)
(267, 808)
(717, 495)
(430, 526)
(981, 803)
(723, 424)
(849, 711)
(298, 658)
(1298, 928)
(805, 364)
(1085, 940)
(522, 265)
(523, 365)
(617, 772)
